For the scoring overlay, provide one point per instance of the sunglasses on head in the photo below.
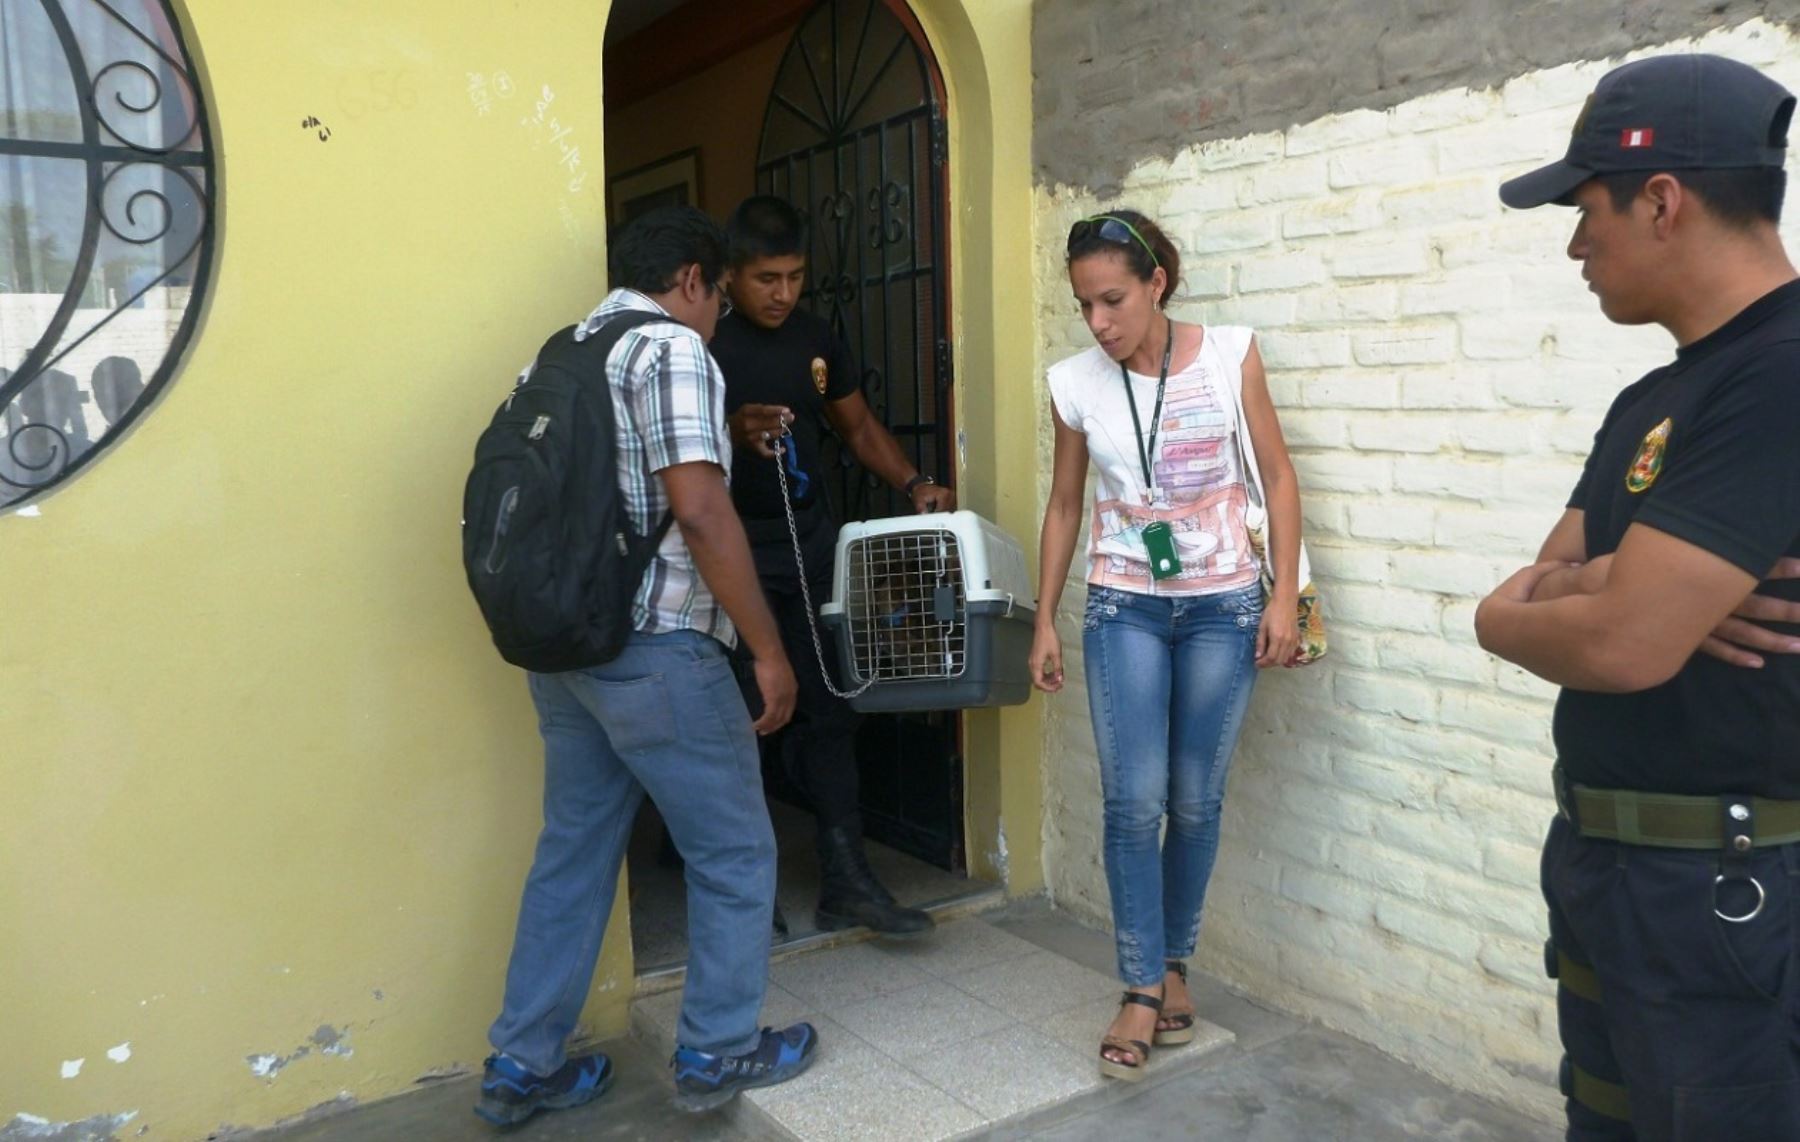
(1109, 229)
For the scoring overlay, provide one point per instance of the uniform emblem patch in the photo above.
(818, 374)
(1648, 464)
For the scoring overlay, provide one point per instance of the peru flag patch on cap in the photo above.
(1633, 138)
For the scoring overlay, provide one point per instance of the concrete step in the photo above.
(956, 1034)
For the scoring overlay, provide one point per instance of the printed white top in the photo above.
(1199, 479)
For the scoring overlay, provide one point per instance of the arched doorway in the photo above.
(855, 134)
(697, 98)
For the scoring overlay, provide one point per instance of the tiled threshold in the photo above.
(978, 900)
(945, 1037)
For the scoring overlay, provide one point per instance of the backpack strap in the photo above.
(599, 344)
(598, 347)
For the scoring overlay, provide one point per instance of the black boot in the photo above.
(850, 895)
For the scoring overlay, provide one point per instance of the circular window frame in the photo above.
(105, 151)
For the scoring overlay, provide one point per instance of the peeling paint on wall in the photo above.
(328, 1040)
(120, 1053)
(331, 1041)
(342, 1104)
(71, 1067)
(99, 1128)
(443, 1074)
(268, 1066)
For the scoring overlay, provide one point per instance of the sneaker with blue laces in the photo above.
(704, 1081)
(510, 1094)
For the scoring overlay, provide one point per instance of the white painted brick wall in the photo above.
(1440, 371)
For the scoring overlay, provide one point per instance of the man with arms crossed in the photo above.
(1660, 605)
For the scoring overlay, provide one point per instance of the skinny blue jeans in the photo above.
(1168, 681)
(664, 718)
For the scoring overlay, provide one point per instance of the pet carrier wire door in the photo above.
(932, 612)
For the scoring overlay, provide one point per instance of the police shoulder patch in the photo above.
(1647, 465)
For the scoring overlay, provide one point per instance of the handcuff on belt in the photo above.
(1738, 827)
(1726, 824)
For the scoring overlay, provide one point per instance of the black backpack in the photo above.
(547, 544)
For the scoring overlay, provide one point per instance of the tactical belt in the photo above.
(1673, 820)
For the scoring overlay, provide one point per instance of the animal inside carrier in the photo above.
(931, 612)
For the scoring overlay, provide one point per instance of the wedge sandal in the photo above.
(1180, 1020)
(1137, 1049)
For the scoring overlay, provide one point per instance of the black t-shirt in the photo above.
(1706, 449)
(801, 365)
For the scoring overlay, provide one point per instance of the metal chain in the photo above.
(800, 564)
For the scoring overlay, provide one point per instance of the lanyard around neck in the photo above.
(1145, 451)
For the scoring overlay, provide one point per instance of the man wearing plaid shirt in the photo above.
(666, 718)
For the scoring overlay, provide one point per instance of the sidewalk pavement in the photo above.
(1283, 1080)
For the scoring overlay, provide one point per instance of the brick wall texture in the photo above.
(1120, 81)
(1440, 370)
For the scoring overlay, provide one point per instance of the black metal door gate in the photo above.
(854, 135)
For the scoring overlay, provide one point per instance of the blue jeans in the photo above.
(1168, 682)
(664, 718)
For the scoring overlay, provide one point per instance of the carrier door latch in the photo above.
(943, 603)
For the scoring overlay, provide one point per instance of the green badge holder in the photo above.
(1159, 541)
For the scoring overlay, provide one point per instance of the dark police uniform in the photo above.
(801, 366)
(1679, 990)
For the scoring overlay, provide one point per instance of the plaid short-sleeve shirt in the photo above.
(669, 408)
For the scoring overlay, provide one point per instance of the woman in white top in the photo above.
(1174, 627)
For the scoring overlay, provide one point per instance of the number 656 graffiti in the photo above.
(377, 92)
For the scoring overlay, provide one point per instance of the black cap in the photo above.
(1666, 113)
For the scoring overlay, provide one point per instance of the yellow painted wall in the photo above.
(261, 771)
(720, 111)
(984, 49)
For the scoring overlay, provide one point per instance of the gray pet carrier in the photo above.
(935, 612)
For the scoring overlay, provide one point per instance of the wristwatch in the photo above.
(921, 478)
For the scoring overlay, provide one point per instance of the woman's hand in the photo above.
(1278, 635)
(1046, 659)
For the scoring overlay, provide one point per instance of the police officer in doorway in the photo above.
(1664, 605)
(787, 376)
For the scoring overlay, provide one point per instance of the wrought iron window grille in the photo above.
(138, 134)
